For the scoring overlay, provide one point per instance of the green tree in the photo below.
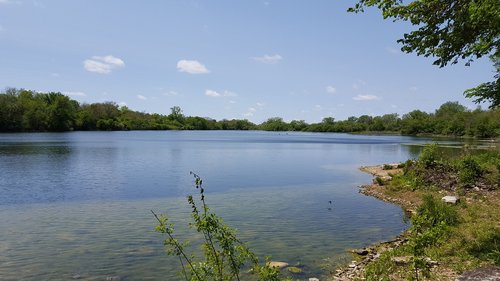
(416, 122)
(35, 115)
(274, 124)
(450, 119)
(61, 112)
(449, 30)
(11, 111)
(176, 114)
(298, 125)
(489, 91)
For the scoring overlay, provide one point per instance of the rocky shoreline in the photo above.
(369, 254)
(409, 203)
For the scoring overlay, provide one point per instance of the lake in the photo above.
(77, 205)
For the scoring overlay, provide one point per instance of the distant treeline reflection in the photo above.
(29, 111)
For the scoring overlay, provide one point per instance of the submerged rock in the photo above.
(277, 264)
(361, 252)
(294, 269)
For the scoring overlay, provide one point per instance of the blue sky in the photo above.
(250, 59)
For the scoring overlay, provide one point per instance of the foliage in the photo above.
(449, 31)
(469, 171)
(387, 167)
(379, 181)
(224, 255)
(23, 110)
(430, 156)
(489, 91)
(434, 169)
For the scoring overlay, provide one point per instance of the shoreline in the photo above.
(364, 256)
(409, 201)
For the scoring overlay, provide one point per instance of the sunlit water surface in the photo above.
(77, 205)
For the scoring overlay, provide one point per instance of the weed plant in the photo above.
(223, 254)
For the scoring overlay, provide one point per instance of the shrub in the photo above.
(433, 212)
(469, 171)
(429, 226)
(429, 156)
(379, 181)
(387, 167)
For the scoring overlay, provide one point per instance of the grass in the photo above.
(469, 241)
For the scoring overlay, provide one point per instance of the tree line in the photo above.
(28, 111)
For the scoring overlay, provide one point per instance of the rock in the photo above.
(450, 199)
(313, 279)
(386, 178)
(361, 252)
(431, 263)
(294, 269)
(483, 274)
(113, 278)
(77, 276)
(401, 260)
(277, 264)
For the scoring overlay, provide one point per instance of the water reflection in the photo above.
(77, 204)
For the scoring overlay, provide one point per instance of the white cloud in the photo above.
(259, 104)
(215, 94)
(318, 107)
(121, 104)
(212, 94)
(5, 2)
(250, 112)
(232, 102)
(75, 94)
(54, 74)
(191, 67)
(103, 65)
(111, 60)
(331, 89)
(269, 59)
(365, 97)
(141, 97)
(1, 28)
(413, 89)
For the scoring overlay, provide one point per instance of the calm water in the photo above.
(77, 205)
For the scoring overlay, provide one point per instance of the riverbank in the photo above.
(447, 258)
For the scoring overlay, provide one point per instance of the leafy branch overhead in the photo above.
(449, 31)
